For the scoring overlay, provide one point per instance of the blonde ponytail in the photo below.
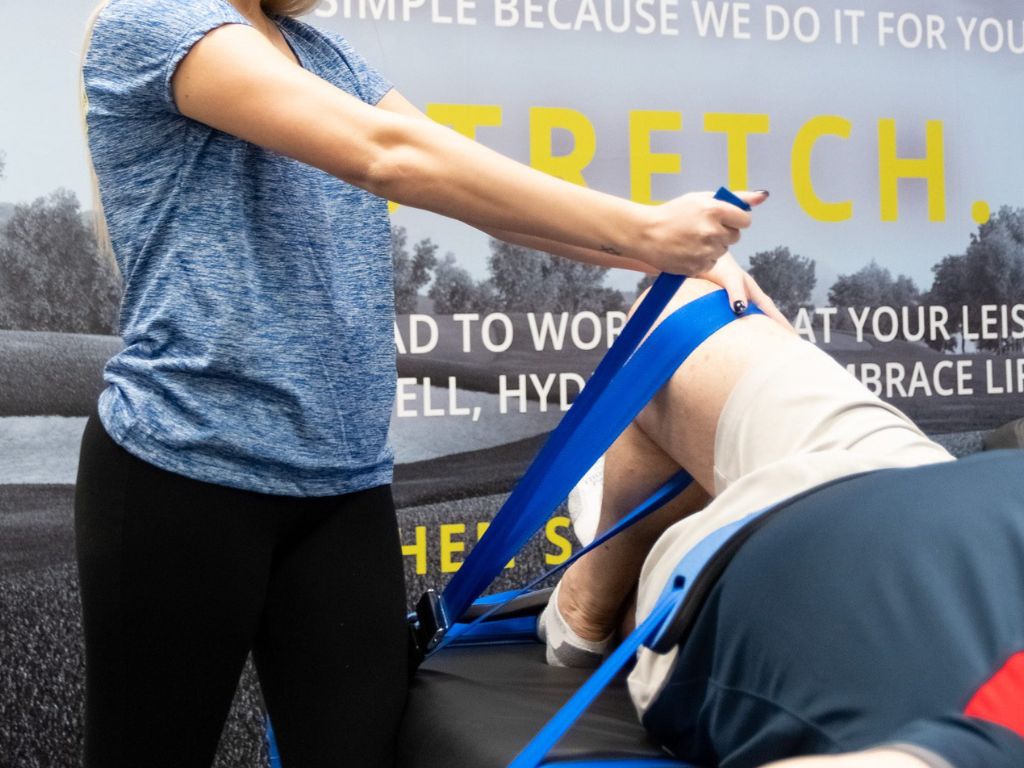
(287, 7)
(103, 245)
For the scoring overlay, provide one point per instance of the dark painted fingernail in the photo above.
(739, 307)
(764, 192)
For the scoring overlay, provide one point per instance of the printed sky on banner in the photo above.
(884, 131)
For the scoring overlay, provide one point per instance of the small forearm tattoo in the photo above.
(609, 249)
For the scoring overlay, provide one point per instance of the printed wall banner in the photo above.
(887, 133)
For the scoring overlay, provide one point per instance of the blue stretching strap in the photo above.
(577, 443)
(505, 531)
(617, 395)
(621, 386)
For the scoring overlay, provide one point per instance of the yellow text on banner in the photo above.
(931, 168)
(642, 161)
(570, 166)
(737, 128)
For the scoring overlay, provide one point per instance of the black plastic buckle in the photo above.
(428, 623)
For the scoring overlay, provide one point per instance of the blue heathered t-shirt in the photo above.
(258, 304)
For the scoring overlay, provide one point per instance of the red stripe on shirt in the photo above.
(1001, 699)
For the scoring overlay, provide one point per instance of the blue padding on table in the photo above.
(520, 629)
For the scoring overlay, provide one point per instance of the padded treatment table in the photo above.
(479, 706)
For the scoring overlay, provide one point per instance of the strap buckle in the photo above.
(428, 623)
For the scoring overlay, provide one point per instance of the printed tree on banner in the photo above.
(644, 283)
(412, 272)
(990, 272)
(520, 278)
(454, 290)
(53, 276)
(787, 278)
(870, 287)
(949, 287)
(581, 287)
(525, 280)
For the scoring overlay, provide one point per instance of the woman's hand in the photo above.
(687, 235)
(743, 289)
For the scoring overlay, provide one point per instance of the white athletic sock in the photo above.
(564, 647)
(585, 503)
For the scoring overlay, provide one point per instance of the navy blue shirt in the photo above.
(258, 304)
(867, 613)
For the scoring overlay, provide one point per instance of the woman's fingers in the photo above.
(730, 216)
(734, 217)
(744, 290)
(753, 198)
(687, 232)
(727, 273)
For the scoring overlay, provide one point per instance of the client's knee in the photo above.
(691, 290)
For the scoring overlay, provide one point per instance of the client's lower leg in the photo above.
(594, 592)
(677, 429)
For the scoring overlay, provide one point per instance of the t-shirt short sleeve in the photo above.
(137, 46)
(372, 84)
(958, 740)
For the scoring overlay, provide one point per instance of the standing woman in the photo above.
(234, 485)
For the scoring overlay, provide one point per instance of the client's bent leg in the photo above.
(677, 429)
(596, 590)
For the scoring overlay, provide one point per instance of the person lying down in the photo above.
(877, 621)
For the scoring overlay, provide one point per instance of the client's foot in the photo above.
(571, 640)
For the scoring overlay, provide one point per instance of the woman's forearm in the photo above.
(395, 102)
(428, 166)
(574, 252)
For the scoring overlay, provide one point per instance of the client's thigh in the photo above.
(755, 394)
(683, 417)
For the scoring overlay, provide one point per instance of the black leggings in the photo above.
(180, 579)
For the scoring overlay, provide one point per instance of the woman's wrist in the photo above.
(631, 236)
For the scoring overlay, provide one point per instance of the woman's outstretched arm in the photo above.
(393, 101)
(740, 286)
(235, 80)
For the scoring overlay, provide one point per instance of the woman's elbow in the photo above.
(396, 170)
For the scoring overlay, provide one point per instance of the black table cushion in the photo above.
(480, 706)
